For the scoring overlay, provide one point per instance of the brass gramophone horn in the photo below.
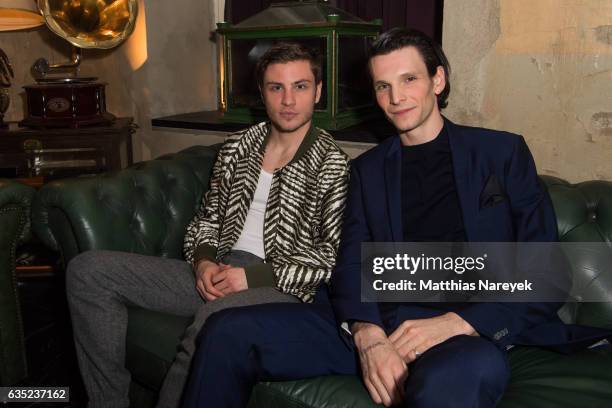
(101, 24)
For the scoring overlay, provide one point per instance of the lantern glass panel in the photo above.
(244, 54)
(354, 84)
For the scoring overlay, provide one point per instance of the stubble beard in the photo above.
(422, 120)
(291, 129)
(400, 130)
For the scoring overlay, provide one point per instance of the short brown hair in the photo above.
(284, 52)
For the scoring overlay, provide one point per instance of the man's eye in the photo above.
(381, 87)
(411, 78)
(275, 88)
(302, 86)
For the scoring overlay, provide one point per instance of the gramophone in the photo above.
(61, 98)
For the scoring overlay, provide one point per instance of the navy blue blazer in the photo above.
(373, 214)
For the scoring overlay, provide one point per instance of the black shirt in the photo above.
(430, 205)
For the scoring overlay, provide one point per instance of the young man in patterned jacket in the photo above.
(267, 231)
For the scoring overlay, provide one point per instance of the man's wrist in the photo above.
(463, 327)
(366, 334)
(203, 262)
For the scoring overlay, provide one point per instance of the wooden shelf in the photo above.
(57, 153)
(36, 182)
(373, 131)
(34, 271)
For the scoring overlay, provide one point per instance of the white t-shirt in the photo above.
(251, 237)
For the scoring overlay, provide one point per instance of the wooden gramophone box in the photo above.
(66, 104)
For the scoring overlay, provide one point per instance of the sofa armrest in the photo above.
(142, 209)
(15, 200)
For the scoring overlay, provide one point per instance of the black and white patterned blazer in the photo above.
(303, 215)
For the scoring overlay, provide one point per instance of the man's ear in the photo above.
(318, 91)
(261, 94)
(439, 80)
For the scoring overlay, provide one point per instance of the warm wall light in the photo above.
(19, 15)
(135, 47)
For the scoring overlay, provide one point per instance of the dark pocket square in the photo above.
(492, 193)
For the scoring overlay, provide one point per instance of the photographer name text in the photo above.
(452, 285)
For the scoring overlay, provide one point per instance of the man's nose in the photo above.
(396, 96)
(288, 97)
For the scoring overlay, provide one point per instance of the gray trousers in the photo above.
(101, 285)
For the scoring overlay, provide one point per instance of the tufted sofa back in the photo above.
(142, 209)
(145, 209)
(584, 214)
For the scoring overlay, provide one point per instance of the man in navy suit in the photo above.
(436, 181)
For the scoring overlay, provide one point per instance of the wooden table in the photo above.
(56, 153)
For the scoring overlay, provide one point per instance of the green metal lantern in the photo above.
(342, 39)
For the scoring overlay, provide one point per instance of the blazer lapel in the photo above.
(393, 171)
(461, 166)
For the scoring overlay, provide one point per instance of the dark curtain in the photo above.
(238, 10)
(424, 15)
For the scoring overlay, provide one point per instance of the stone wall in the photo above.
(539, 68)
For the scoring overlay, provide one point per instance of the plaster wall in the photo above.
(542, 69)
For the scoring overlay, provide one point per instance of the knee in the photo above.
(225, 328)
(83, 269)
(226, 335)
(485, 362)
(464, 372)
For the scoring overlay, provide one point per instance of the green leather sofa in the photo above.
(145, 208)
(15, 201)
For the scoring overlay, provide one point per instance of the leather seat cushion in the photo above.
(543, 379)
(151, 344)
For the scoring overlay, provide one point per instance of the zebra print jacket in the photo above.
(303, 215)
